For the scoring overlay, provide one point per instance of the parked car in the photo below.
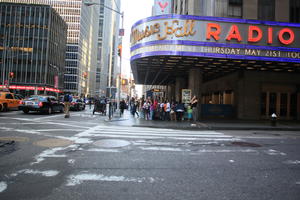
(45, 104)
(77, 104)
(8, 101)
(18, 96)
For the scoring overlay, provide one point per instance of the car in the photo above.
(43, 104)
(8, 101)
(18, 96)
(77, 104)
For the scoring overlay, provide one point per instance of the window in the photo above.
(9, 96)
(295, 11)
(235, 8)
(266, 10)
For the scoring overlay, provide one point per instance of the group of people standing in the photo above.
(163, 109)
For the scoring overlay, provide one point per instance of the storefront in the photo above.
(26, 91)
(252, 65)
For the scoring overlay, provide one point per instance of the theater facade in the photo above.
(239, 68)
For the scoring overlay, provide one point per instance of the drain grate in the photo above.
(245, 144)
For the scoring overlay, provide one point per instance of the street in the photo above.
(48, 157)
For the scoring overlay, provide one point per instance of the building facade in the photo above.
(108, 67)
(238, 66)
(81, 53)
(32, 46)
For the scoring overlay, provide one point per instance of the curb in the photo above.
(222, 128)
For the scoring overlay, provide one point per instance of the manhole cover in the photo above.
(246, 144)
(111, 143)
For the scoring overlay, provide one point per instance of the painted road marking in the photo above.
(80, 178)
(3, 186)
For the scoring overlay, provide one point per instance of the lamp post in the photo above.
(122, 28)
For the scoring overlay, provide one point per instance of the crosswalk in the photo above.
(161, 140)
(137, 133)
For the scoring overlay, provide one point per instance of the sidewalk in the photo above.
(129, 120)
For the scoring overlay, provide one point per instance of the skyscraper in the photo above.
(81, 51)
(108, 40)
(32, 46)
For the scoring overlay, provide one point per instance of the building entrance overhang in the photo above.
(167, 46)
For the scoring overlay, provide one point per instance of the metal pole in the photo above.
(119, 88)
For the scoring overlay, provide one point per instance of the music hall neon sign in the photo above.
(225, 32)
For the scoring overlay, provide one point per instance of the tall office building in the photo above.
(81, 51)
(32, 46)
(108, 67)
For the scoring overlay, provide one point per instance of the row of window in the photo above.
(71, 86)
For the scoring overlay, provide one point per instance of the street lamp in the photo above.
(122, 28)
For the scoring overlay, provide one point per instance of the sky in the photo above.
(134, 10)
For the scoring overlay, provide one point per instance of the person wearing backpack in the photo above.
(67, 101)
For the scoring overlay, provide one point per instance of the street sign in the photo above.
(121, 32)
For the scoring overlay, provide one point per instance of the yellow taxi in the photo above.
(8, 101)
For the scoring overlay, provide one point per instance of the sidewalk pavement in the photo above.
(128, 120)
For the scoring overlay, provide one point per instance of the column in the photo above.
(171, 92)
(195, 83)
(248, 97)
(179, 85)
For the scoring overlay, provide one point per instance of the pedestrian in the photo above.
(67, 101)
(190, 112)
(179, 111)
(167, 108)
(122, 107)
(194, 103)
(90, 103)
(172, 112)
(146, 108)
(162, 111)
(133, 110)
(152, 108)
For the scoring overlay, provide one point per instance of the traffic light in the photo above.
(85, 74)
(120, 50)
(124, 81)
(11, 75)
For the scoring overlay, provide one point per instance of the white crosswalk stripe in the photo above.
(152, 133)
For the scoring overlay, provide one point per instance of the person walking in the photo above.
(122, 107)
(133, 110)
(90, 103)
(67, 101)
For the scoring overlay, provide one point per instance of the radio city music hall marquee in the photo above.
(219, 36)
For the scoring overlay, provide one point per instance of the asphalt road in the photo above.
(85, 157)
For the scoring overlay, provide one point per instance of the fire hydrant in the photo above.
(273, 119)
